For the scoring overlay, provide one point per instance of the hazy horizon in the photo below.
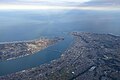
(60, 4)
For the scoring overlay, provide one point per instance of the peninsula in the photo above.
(13, 50)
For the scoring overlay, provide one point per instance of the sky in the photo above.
(104, 2)
(60, 4)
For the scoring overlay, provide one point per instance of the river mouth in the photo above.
(39, 58)
(28, 25)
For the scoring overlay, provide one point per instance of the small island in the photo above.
(13, 50)
(90, 57)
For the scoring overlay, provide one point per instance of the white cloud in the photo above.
(80, 1)
(33, 7)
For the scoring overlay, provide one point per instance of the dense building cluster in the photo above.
(19, 49)
(90, 57)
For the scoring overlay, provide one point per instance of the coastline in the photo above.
(19, 49)
(90, 56)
